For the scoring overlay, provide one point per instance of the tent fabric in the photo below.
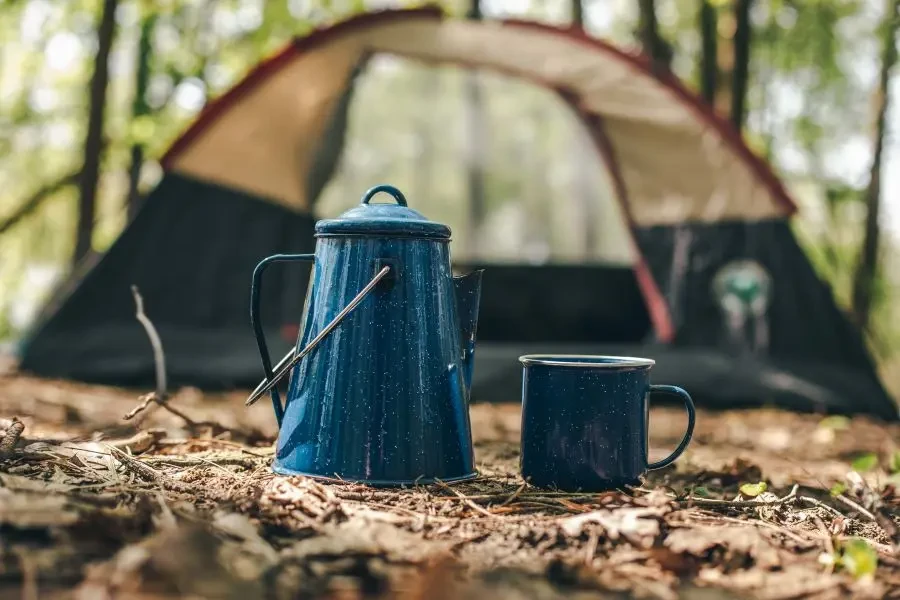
(194, 279)
(330, 148)
(241, 183)
(714, 379)
(600, 303)
(259, 136)
(801, 302)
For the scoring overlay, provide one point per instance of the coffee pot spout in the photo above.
(468, 298)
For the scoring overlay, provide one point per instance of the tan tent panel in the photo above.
(262, 144)
(674, 161)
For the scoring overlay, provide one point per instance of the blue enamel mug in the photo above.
(585, 421)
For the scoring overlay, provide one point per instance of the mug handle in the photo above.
(689, 406)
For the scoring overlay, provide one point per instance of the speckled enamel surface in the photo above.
(586, 428)
(383, 399)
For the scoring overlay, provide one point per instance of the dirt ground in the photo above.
(184, 505)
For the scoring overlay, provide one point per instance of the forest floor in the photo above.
(185, 505)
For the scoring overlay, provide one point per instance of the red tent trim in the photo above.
(637, 61)
(658, 307)
(273, 64)
(641, 63)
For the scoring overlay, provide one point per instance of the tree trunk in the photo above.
(578, 14)
(93, 142)
(139, 107)
(653, 45)
(709, 37)
(581, 158)
(864, 277)
(476, 130)
(423, 180)
(741, 71)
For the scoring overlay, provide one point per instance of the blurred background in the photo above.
(92, 92)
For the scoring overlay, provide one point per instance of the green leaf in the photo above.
(838, 489)
(864, 462)
(894, 463)
(753, 490)
(859, 558)
(701, 491)
(836, 422)
(142, 129)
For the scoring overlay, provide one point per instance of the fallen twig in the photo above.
(148, 473)
(514, 495)
(139, 442)
(822, 505)
(847, 501)
(11, 437)
(159, 356)
(766, 525)
(465, 499)
(707, 502)
(160, 396)
(145, 401)
(178, 461)
(826, 535)
(215, 442)
(145, 472)
(162, 401)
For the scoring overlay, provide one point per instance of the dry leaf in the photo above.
(26, 484)
(631, 523)
(355, 538)
(28, 510)
(240, 528)
(736, 541)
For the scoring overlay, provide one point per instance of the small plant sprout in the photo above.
(837, 489)
(700, 491)
(858, 558)
(894, 463)
(864, 462)
(752, 490)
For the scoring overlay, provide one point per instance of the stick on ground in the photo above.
(159, 357)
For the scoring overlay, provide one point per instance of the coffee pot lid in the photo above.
(382, 219)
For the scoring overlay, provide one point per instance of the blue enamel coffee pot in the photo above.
(379, 378)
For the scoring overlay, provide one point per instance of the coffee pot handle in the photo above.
(293, 357)
(255, 289)
(673, 390)
(388, 189)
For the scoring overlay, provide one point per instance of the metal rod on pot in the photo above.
(284, 366)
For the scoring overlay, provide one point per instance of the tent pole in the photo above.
(476, 136)
(582, 166)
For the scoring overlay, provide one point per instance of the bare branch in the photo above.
(159, 357)
(860, 509)
(36, 199)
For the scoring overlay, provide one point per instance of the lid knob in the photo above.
(389, 189)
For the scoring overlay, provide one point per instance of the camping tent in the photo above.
(715, 286)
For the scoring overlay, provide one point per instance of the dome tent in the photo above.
(242, 181)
